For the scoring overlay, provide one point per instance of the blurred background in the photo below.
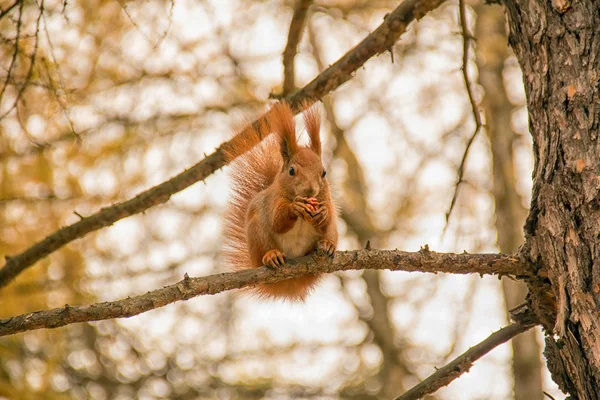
(101, 99)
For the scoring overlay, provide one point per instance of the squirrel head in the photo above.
(303, 173)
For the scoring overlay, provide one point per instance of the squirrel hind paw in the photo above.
(274, 259)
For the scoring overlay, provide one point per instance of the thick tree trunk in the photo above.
(492, 51)
(558, 46)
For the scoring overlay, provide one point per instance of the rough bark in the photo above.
(492, 51)
(423, 261)
(558, 46)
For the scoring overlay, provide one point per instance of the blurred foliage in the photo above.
(103, 98)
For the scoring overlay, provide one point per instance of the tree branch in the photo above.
(291, 48)
(32, 62)
(467, 38)
(395, 260)
(9, 8)
(461, 364)
(17, 39)
(375, 43)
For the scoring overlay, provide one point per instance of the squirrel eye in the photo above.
(292, 171)
(323, 174)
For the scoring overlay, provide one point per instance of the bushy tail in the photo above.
(254, 164)
(251, 173)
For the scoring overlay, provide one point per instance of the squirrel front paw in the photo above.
(325, 247)
(304, 208)
(320, 215)
(274, 259)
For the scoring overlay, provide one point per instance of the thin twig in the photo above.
(31, 65)
(130, 18)
(139, 29)
(467, 38)
(70, 136)
(166, 32)
(63, 106)
(9, 9)
(461, 364)
(375, 43)
(49, 198)
(294, 35)
(395, 260)
(14, 56)
(548, 395)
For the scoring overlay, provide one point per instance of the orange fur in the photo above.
(312, 121)
(285, 126)
(263, 215)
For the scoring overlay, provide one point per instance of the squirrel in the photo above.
(281, 205)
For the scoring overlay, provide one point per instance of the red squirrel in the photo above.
(281, 205)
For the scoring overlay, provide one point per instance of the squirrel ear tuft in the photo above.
(312, 121)
(285, 127)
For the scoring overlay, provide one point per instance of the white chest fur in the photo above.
(297, 241)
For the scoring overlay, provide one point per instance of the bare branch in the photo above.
(32, 61)
(49, 198)
(16, 52)
(70, 137)
(64, 107)
(395, 260)
(375, 43)
(9, 8)
(130, 18)
(467, 38)
(166, 32)
(294, 35)
(461, 364)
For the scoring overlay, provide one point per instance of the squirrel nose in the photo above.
(310, 191)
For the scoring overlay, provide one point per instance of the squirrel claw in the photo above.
(273, 259)
(325, 247)
(320, 216)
